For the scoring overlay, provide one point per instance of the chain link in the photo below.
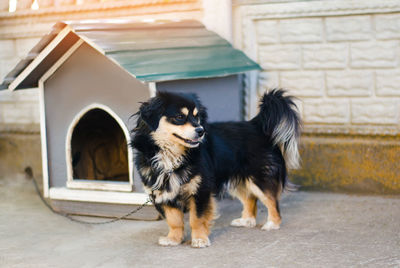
(69, 216)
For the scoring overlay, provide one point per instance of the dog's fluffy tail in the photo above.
(280, 121)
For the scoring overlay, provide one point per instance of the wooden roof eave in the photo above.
(60, 59)
(42, 56)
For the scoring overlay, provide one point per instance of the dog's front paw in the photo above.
(244, 222)
(167, 241)
(200, 242)
(270, 225)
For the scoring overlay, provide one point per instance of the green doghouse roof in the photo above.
(155, 51)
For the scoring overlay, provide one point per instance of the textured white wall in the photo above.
(217, 17)
(19, 107)
(340, 58)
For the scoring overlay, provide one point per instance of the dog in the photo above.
(184, 161)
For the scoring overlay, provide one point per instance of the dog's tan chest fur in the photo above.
(191, 187)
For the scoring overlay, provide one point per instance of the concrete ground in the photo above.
(318, 230)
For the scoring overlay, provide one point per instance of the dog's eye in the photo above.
(179, 117)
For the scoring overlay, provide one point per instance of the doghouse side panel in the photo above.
(223, 96)
(87, 77)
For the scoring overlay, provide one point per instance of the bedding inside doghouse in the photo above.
(99, 148)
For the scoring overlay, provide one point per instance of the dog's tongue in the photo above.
(194, 140)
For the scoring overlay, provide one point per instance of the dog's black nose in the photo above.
(199, 131)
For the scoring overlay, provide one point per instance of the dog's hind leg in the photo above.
(274, 218)
(201, 216)
(270, 200)
(174, 219)
(249, 213)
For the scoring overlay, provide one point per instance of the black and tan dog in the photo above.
(184, 162)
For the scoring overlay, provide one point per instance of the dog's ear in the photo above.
(202, 113)
(150, 112)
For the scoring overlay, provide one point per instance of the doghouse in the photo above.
(92, 76)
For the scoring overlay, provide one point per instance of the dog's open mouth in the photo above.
(189, 141)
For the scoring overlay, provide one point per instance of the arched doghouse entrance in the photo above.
(98, 156)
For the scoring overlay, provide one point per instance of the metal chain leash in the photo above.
(29, 173)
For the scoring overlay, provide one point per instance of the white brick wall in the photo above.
(326, 111)
(387, 26)
(6, 65)
(303, 84)
(7, 56)
(300, 30)
(343, 67)
(325, 56)
(18, 113)
(284, 57)
(388, 82)
(268, 80)
(374, 54)
(350, 83)
(272, 36)
(348, 28)
(7, 48)
(21, 106)
(376, 111)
